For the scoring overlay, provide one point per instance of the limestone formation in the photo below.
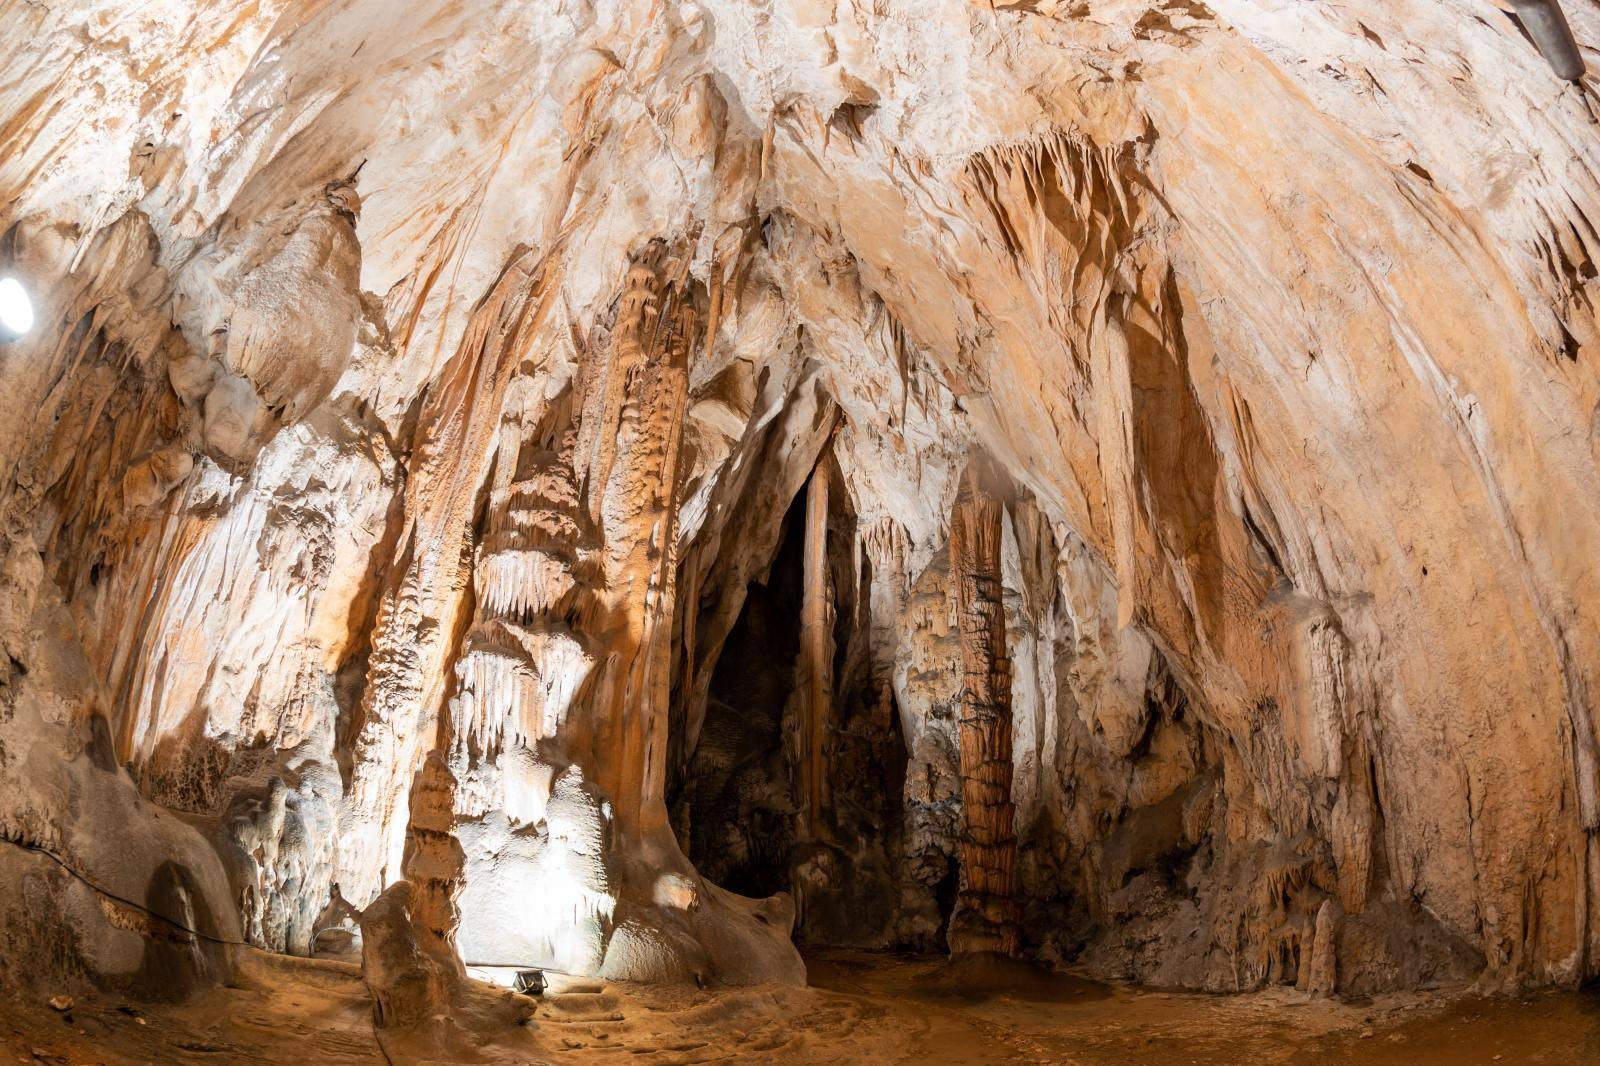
(525, 453)
(814, 679)
(408, 983)
(434, 862)
(985, 918)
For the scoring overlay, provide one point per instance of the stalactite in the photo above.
(1548, 27)
(884, 548)
(521, 665)
(986, 916)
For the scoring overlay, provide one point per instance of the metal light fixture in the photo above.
(529, 982)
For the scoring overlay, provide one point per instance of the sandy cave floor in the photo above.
(861, 1008)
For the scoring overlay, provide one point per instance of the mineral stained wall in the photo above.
(555, 414)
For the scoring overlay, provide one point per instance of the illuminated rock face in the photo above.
(437, 390)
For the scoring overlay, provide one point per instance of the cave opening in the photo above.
(741, 805)
(739, 792)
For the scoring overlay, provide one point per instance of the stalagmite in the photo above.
(408, 983)
(434, 862)
(1322, 960)
(986, 916)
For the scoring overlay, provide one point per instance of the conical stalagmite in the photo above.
(434, 862)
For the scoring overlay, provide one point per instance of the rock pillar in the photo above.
(985, 918)
(816, 658)
(434, 862)
(633, 432)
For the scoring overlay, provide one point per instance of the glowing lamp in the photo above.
(16, 310)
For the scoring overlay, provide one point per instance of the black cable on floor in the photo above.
(377, 1038)
(126, 902)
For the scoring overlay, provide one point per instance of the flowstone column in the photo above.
(668, 922)
(633, 432)
(556, 732)
(985, 918)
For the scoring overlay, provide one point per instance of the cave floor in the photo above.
(861, 1008)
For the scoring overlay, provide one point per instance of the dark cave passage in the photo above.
(740, 800)
(740, 792)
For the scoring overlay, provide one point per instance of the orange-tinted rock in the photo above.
(445, 385)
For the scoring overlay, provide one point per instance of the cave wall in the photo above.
(437, 380)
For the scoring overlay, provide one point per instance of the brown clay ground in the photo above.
(860, 1009)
